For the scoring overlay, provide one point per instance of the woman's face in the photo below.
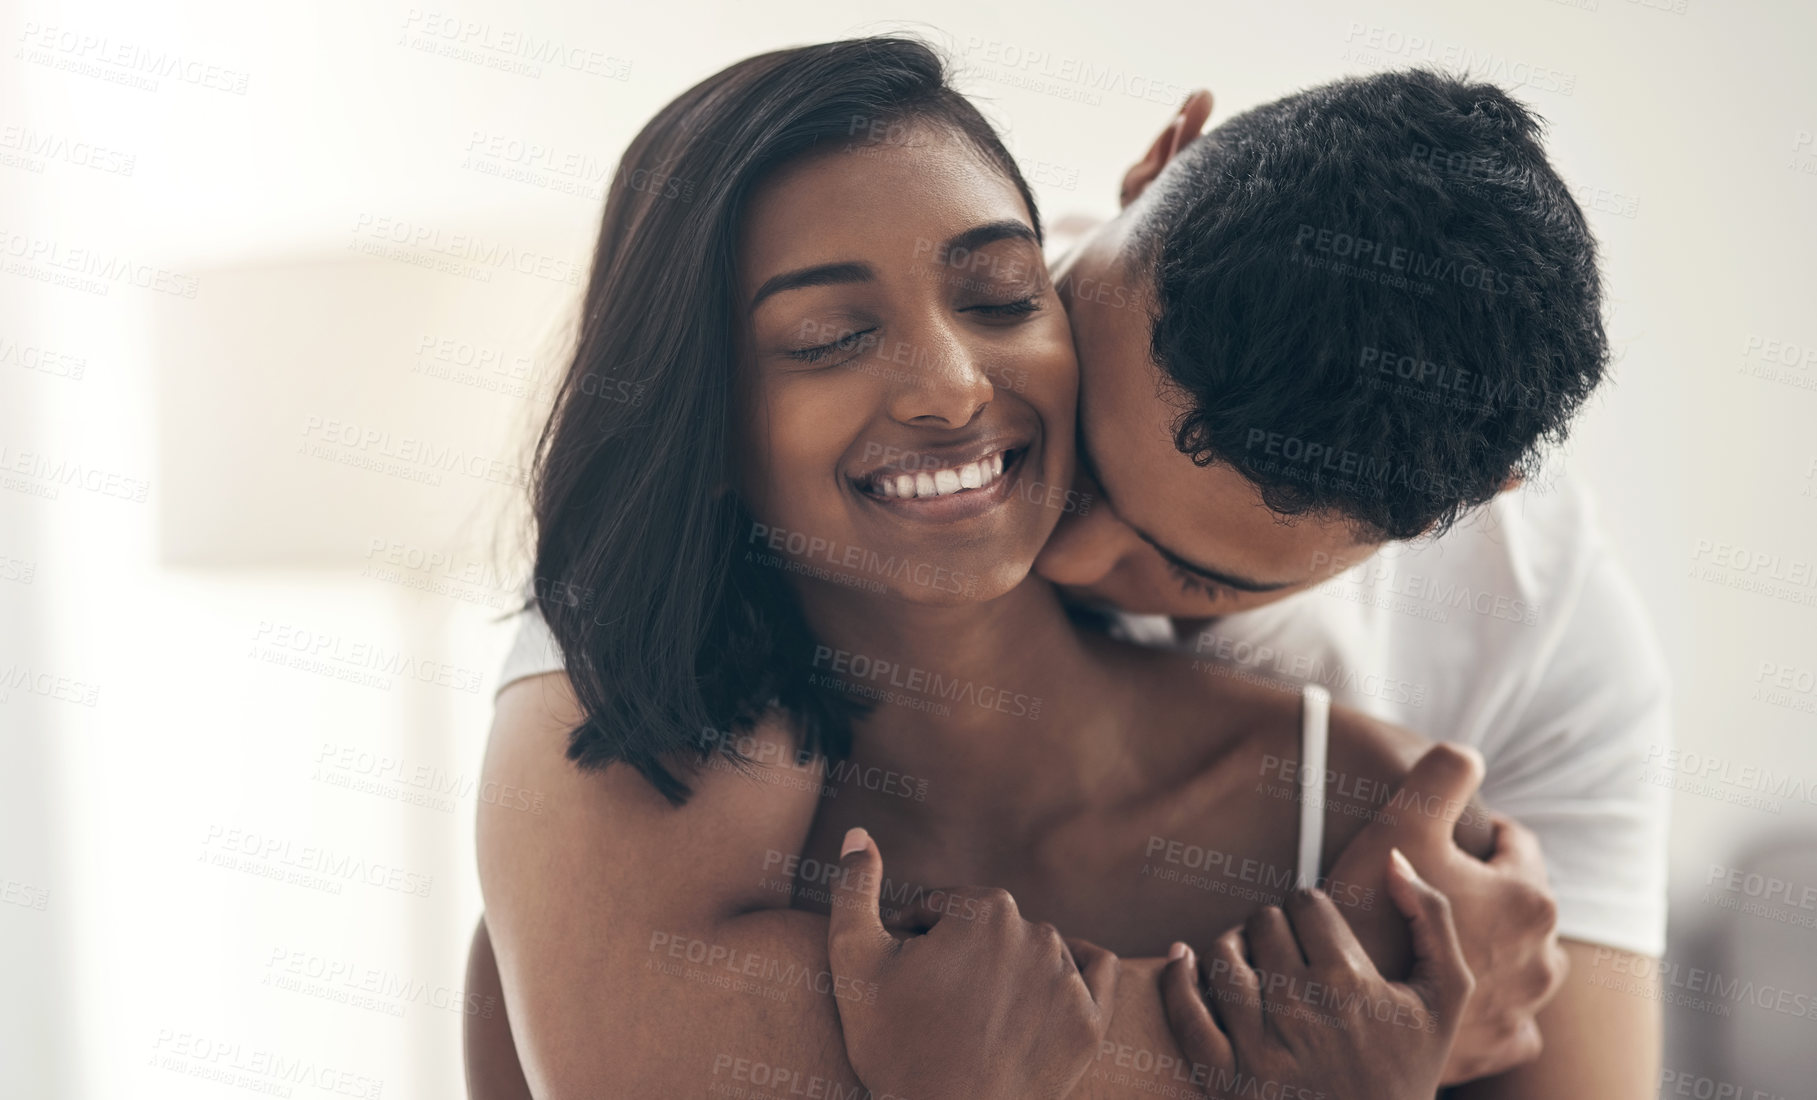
(908, 382)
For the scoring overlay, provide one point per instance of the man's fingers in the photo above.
(1325, 938)
(1272, 943)
(1234, 990)
(1440, 977)
(1098, 966)
(1429, 801)
(1187, 1015)
(1516, 847)
(1441, 783)
(856, 938)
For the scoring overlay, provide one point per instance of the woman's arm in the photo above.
(489, 1055)
(641, 946)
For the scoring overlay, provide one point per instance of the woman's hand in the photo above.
(984, 1004)
(1298, 1010)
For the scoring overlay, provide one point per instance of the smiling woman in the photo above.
(632, 500)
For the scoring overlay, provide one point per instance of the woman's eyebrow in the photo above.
(818, 275)
(979, 236)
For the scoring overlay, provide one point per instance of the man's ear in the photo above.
(1182, 128)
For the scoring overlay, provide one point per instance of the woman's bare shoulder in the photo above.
(544, 821)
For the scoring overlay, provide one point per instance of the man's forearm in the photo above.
(1602, 1034)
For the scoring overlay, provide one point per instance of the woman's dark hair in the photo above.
(675, 639)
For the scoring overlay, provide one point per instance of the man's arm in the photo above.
(1610, 997)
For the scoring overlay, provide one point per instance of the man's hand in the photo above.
(1506, 917)
(984, 1004)
(1301, 1010)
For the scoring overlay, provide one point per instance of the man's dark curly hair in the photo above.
(1377, 296)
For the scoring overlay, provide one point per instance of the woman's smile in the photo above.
(941, 486)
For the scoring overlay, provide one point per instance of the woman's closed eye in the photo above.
(1021, 307)
(850, 342)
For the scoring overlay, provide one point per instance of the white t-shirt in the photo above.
(1515, 632)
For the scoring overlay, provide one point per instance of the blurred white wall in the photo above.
(247, 602)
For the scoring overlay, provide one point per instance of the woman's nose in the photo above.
(938, 383)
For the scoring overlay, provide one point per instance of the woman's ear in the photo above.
(1189, 123)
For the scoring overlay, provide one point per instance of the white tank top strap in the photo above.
(1315, 722)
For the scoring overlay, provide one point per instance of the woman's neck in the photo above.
(1006, 708)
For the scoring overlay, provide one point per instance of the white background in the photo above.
(146, 724)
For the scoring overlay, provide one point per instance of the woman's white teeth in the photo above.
(943, 482)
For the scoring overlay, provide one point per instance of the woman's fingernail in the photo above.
(855, 839)
(1402, 863)
(1177, 951)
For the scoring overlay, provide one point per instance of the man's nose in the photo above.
(1086, 547)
